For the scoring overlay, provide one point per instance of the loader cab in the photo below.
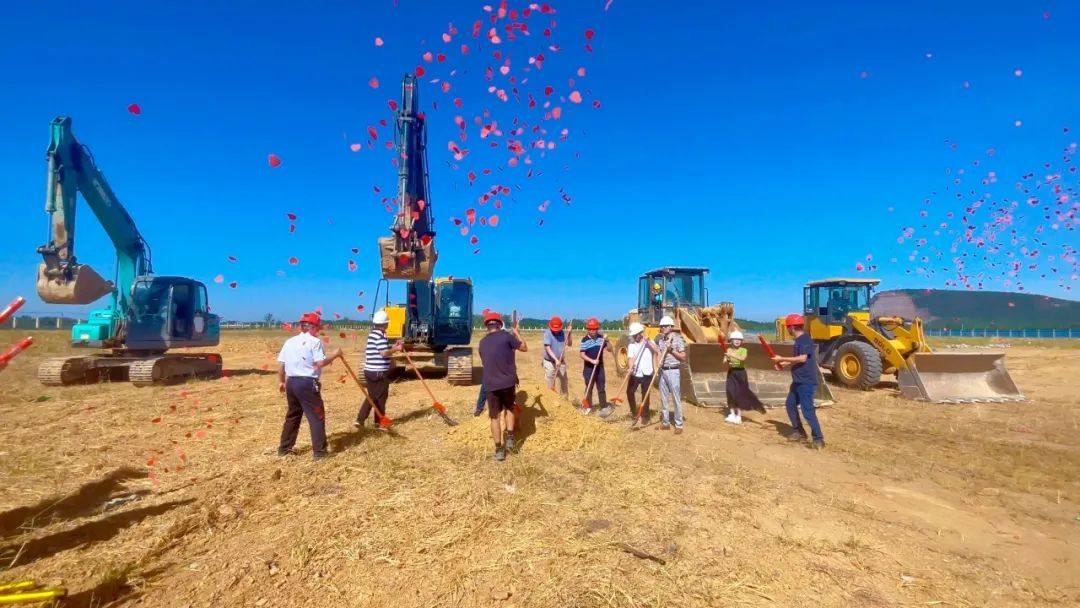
(663, 290)
(827, 304)
(170, 312)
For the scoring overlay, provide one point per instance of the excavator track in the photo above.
(459, 366)
(60, 371)
(170, 368)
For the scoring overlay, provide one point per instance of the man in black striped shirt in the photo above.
(377, 355)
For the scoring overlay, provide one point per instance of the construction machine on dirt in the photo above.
(858, 347)
(435, 322)
(680, 292)
(148, 314)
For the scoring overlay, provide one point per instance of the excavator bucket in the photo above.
(85, 286)
(416, 265)
(958, 378)
(706, 385)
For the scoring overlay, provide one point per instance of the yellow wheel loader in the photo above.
(680, 292)
(857, 348)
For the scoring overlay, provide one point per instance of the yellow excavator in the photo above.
(680, 292)
(857, 348)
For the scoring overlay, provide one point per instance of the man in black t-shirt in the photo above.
(497, 355)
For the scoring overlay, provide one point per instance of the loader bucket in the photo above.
(706, 384)
(958, 378)
(85, 286)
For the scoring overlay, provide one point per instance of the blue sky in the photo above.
(745, 139)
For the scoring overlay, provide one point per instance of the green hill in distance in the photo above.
(953, 309)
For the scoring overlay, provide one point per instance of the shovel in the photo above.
(439, 407)
(384, 421)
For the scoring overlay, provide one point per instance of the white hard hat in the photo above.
(636, 328)
(667, 321)
(735, 335)
(380, 318)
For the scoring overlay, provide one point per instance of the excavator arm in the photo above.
(61, 279)
(409, 251)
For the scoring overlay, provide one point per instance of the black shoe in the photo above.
(796, 436)
(478, 411)
(510, 442)
(320, 455)
(819, 444)
(500, 453)
(283, 453)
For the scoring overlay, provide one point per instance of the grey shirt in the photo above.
(674, 343)
(557, 342)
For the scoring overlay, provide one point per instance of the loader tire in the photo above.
(857, 365)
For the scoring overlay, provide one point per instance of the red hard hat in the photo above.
(491, 315)
(311, 317)
(592, 323)
(555, 324)
(794, 319)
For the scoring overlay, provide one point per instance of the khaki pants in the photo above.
(550, 375)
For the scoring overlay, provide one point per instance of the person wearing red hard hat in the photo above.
(592, 353)
(497, 355)
(804, 379)
(302, 360)
(555, 342)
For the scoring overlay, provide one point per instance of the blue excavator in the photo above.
(147, 316)
(435, 322)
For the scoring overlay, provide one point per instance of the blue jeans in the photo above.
(802, 395)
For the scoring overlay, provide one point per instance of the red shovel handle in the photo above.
(20, 346)
(769, 350)
(10, 309)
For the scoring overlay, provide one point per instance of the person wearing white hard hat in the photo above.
(641, 353)
(377, 353)
(671, 375)
(737, 387)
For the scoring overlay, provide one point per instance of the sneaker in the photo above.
(500, 453)
(730, 418)
(510, 441)
(664, 427)
(586, 410)
(320, 455)
(283, 453)
(358, 424)
(678, 430)
(818, 444)
(796, 436)
(737, 420)
(606, 411)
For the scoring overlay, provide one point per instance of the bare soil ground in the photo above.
(911, 504)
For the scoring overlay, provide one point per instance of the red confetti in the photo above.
(231, 258)
(291, 216)
(273, 160)
(373, 83)
(219, 278)
(293, 261)
(589, 34)
(352, 266)
(378, 41)
(134, 109)
(493, 221)
(355, 147)
(575, 97)
(419, 71)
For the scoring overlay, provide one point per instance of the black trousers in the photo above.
(598, 385)
(378, 386)
(304, 399)
(635, 382)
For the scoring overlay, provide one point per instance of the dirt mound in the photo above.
(547, 423)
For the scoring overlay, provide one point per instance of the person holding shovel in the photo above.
(302, 360)
(641, 353)
(555, 342)
(377, 353)
(737, 385)
(804, 379)
(592, 353)
(673, 344)
(497, 355)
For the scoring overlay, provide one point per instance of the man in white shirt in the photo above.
(640, 352)
(302, 359)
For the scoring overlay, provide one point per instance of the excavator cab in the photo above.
(170, 312)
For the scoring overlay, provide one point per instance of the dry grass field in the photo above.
(173, 496)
